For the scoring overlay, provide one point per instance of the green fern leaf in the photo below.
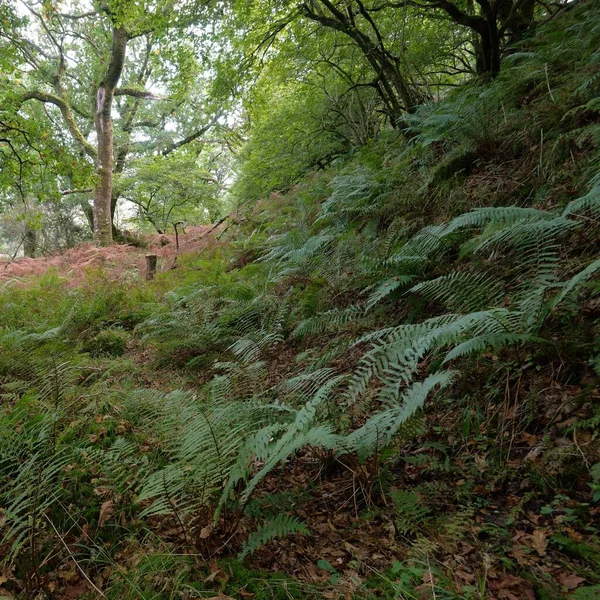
(275, 527)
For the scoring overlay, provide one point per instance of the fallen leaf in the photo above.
(212, 576)
(570, 580)
(216, 574)
(205, 532)
(574, 534)
(481, 463)
(75, 591)
(529, 438)
(70, 575)
(519, 554)
(106, 511)
(427, 577)
(464, 576)
(539, 541)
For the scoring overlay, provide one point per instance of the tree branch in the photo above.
(67, 114)
(190, 138)
(136, 93)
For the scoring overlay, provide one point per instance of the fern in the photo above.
(354, 193)
(379, 429)
(332, 320)
(575, 283)
(462, 291)
(507, 215)
(428, 244)
(394, 360)
(306, 385)
(493, 341)
(33, 477)
(386, 288)
(299, 433)
(589, 204)
(411, 512)
(273, 527)
(201, 442)
(523, 234)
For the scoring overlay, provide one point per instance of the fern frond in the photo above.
(201, 442)
(306, 385)
(527, 233)
(387, 287)
(332, 320)
(301, 432)
(589, 204)
(354, 193)
(462, 291)
(494, 341)
(507, 215)
(411, 512)
(274, 527)
(427, 245)
(379, 430)
(575, 283)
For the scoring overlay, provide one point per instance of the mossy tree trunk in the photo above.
(104, 131)
(30, 242)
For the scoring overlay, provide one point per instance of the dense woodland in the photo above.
(368, 364)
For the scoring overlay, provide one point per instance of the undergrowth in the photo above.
(401, 351)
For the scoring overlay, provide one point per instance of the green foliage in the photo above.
(410, 512)
(273, 527)
(186, 406)
(108, 342)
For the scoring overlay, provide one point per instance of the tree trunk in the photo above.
(104, 130)
(102, 192)
(151, 260)
(489, 62)
(30, 242)
(390, 84)
(88, 211)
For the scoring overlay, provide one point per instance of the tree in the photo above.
(400, 59)
(492, 23)
(172, 189)
(354, 20)
(94, 67)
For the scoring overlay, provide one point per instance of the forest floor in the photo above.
(499, 536)
(489, 492)
(117, 261)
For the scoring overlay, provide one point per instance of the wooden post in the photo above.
(151, 260)
(177, 233)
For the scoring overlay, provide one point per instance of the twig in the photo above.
(434, 597)
(219, 222)
(585, 460)
(548, 83)
(15, 254)
(73, 558)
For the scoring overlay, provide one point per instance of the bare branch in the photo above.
(190, 138)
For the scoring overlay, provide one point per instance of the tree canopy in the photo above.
(95, 96)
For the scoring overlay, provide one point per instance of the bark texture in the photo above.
(104, 131)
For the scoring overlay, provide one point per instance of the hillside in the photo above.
(381, 381)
